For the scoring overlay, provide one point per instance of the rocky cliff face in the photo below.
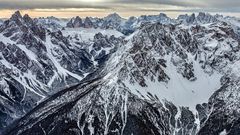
(75, 23)
(171, 77)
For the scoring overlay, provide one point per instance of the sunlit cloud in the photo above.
(70, 10)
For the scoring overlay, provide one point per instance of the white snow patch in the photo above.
(5, 39)
(224, 132)
(235, 69)
(211, 44)
(29, 53)
(179, 90)
(87, 34)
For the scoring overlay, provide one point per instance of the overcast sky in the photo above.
(65, 8)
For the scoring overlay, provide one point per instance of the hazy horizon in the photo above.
(67, 14)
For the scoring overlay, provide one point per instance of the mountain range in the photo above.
(147, 75)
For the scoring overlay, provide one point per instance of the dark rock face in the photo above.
(70, 24)
(206, 18)
(201, 18)
(75, 23)
(191, 19)
(88, 23)
(225, 112)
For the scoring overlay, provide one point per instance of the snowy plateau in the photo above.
(147, 75)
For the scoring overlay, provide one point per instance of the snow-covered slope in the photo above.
(87, 34)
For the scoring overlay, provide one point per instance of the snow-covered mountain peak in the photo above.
(16, 15)
(113, 17)
(163, 15)
(201, 18)
(20, 20)
(53, 18)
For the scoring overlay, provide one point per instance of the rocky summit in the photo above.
(147, 75)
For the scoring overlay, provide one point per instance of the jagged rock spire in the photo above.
(75, 23)
(88, 23)
(16, 17)
(27, 19)
(17, 14)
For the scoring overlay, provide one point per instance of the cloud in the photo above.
(127, 5)
(190, 3)
(46, 4)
